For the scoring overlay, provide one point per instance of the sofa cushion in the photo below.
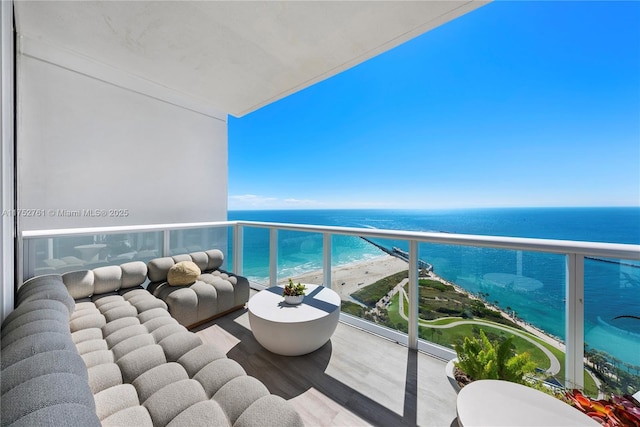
(238, 394)
(33, 344)
(107, 279)
(270, 407)
(45, 314)
(35, 282)
(34, 306)
(114, 399)
(181, 257)
(158, 268)
(122, 334)
(47, 288)
(165, 404)
(204, 413)
(133, 274)
(79, 283)
(216, 257)
(183, 273)
(45, 325)
(83, 335)
(120, 311)
(156, 378)
(201, 259)
(42, 364)
(118, 324)
(88, 320)
(131, 344)
(62, 414)
(139, 361)
(104, 376)
(176, 345)
(218, 373)
(200, 357)
(148, 315)
(133, 416)
(88, 346)
(144, 302)
(98, 357)
(45, 390)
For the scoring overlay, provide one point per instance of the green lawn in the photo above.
(448, 336)
(442, 305)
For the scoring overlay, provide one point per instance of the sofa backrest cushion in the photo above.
(133, 274)
(216, 258)
(159, 268)
(107, 279)
(79, 283)
(103, 280)
(207, 261)
(201, 259)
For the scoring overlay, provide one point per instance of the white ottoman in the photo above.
(501, 403)
(293, 330)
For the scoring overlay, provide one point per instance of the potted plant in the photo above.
(479, 359)
(293, 294)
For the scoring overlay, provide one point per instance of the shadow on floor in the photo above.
(291, 376)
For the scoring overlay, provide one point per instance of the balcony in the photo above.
(396, 370)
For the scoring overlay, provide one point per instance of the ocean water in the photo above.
(531, 284)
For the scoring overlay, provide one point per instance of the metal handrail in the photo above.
(593, 249)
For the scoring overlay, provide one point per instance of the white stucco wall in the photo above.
(94, 141)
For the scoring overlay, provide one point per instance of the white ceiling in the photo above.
(236, 56)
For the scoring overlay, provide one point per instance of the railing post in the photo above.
(28, 266)
(326, 259)
(574, 340)
(237, 249)
(413, 294)
(50, 248)
(273, 257)
(166, 242)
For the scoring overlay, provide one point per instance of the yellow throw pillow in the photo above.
(183, 273)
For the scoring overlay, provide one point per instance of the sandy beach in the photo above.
(349, 278)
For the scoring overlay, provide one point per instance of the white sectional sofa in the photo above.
(94, 347)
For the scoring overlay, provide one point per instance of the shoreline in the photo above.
(349, 278)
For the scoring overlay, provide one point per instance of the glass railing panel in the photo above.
(612, 323)
(69, 253)
(255, 255)
(201, 239)
(300, 254)
(501, 292)
(372, 283)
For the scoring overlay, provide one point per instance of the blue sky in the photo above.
(514, 104)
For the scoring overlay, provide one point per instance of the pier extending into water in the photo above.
(399, 253)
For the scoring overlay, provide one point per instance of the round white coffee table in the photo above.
(293, 330)
(502, 403)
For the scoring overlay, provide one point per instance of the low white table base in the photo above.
(502, 403)
(294, 330)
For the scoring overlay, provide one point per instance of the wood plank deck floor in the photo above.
(356, 379)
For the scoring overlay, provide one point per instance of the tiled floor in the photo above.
(355, 379)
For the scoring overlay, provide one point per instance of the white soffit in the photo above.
(236, 56)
